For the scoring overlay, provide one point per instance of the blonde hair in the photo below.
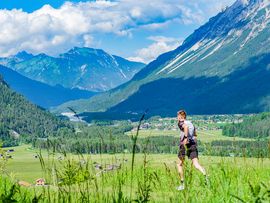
(182, 113)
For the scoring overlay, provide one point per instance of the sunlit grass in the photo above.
(228, 176)
(203, 135)
(140, 177)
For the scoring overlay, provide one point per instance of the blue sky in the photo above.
(32, 5)
(138, 30)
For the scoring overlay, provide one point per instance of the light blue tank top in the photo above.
(191, 130)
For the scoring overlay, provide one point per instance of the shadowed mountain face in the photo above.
(83, 68)
(39, 93)
(221, 68)
(243, 91)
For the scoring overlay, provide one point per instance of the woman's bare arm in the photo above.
(186, 134)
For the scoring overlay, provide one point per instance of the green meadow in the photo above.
(204, 136)
(151, 178)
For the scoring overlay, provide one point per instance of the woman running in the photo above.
(187, 146)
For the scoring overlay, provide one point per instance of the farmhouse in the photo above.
(40, 181)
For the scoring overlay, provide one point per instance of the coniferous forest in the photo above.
(21, 120)
(257, 126)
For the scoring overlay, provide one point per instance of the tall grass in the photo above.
(230, 180)
(124, 179)
(134, 139)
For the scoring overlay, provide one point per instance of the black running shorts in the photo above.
(191, 152)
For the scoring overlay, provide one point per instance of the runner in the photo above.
(187, 146)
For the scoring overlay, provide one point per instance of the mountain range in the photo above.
(83, 68)
(41, 94)
(221, 68)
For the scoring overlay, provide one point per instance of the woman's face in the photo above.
(180, 118)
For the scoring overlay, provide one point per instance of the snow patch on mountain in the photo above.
(180, 56)
(189, 58)
(265, 3)
(214, 50)
(83, 69)
(228, 27)
(122, 73)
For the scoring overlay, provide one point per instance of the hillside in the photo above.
(21, 120)
(257, 126)
(83, 68)
(223, 67)
(39, 93)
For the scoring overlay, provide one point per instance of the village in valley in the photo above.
(202, 122)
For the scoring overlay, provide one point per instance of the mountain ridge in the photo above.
(218, 49)
(39, 93)
(83, 68)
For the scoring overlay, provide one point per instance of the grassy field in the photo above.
(25, 166)
(153, 178)
(203, 136)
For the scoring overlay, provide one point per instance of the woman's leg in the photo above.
(181, 159)
(196, 164)
(180, 166)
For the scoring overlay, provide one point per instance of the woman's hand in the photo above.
(185, 141)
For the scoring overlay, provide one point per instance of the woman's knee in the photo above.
(180, 163)
(195, 163)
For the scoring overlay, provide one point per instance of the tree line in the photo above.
(20, 120)
(108, 139)
(256, 126)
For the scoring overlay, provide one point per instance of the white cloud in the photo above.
(88, 40)
(160, 45)
(53, 31)
(216, 7)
